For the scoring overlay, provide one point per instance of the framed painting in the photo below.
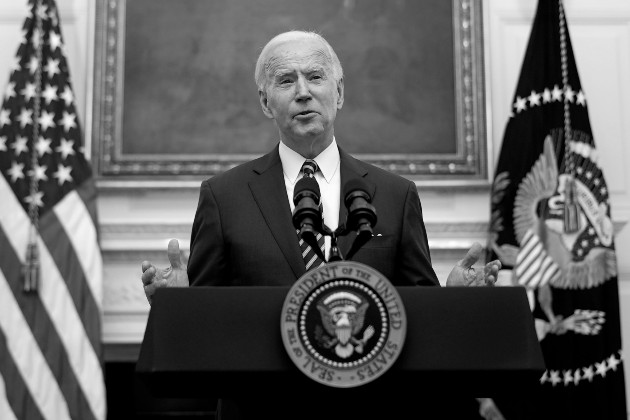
(175, 98)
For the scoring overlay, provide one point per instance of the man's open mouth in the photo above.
(305, 114)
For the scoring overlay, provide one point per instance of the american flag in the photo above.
(50, 337)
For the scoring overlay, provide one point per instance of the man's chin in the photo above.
(308, 132)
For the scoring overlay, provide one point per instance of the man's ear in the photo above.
(340, 91)
(262, 96)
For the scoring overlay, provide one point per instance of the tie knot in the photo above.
(309, 167)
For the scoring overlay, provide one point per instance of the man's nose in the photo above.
(303, 91)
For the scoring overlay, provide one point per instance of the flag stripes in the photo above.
(67, 258)
(5, 409)
(18, 403)
(534, 268)
(80, 228)
(49, 343)
(29, 361)
(67, 350)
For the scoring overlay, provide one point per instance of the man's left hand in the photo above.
(464, 274)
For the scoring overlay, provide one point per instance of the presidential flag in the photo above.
(551, 223)
(50, 262)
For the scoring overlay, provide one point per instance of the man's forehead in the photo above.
(285, 67)
(305, 53)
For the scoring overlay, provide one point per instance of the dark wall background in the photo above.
(186, 60)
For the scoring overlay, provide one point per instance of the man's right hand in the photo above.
(173, 276)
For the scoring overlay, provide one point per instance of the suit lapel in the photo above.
(268, 189)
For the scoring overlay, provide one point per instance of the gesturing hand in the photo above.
(173, 276)
(464, 274)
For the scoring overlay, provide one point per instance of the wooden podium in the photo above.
(225, 341)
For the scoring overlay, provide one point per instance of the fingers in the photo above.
(496, 264)
(491, 272)
(145, 265)
(490, 280)
(148, 273)
(487, 277)
(472, 256)
(174, 256)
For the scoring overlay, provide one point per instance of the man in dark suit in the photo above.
(243, 232)
(244, 216)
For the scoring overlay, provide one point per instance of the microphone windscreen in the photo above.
(356, 184)
(306, 184)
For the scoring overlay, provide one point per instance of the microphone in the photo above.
(307, 215)
(361, 213)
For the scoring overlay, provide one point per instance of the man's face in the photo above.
(301, 94)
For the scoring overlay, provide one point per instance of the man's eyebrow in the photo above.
(279, 73)
(315, 69)
(282, 72)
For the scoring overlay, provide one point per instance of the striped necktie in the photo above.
(311, 260)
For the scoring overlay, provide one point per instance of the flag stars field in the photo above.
(9, 91)
(43, 146)
(63, 174)
(46, 120)
(65, 148)
(67, 121)
(19, 146)
(5, 119)
(39, 173)
(52, 68)
(36, 198)
(25, 118)
(49, 94)
(16, 171)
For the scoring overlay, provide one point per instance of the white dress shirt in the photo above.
(328, 177)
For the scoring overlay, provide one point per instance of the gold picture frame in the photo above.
(175, 101)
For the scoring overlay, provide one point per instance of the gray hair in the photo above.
(260, 74)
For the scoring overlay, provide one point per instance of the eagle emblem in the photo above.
(549, 254)
(562, 223)
(343, 316)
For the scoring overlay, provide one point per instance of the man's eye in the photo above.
(285, 81)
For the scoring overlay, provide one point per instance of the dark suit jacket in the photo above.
(243, 235)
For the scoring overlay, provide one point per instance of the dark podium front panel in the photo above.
(224, 341)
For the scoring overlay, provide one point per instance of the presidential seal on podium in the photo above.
(343, 324)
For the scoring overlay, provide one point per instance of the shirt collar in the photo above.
(327, 160)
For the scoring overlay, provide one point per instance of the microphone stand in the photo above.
(364, 234)
(335, 252)
(307, 218)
